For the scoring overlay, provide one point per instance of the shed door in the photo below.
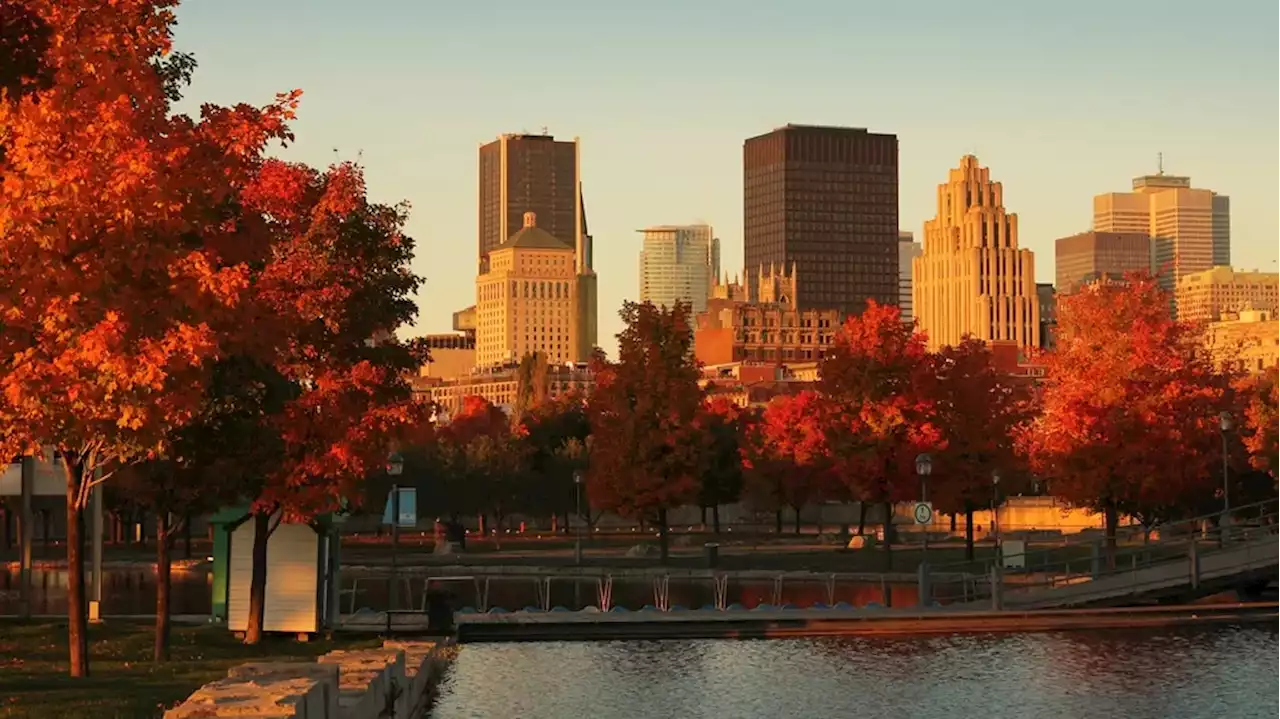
(292, 579)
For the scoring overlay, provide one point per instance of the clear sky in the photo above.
(1061, 100)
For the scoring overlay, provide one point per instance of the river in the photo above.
(1202, 673)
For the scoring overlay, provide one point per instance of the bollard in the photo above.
(922, 585)
(997, 601)
(711, 552)
(1193, 555)
(1095, 555)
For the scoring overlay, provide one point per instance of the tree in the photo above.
(1258, 409)
(555, 433)
(121, 272)
(214, 461)
(644, 455)
(336, 288)
(876, 376)
(789, 460)
(720, 427)
(1130, 407)
(977, 412)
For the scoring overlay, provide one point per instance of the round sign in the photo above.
(923, 513)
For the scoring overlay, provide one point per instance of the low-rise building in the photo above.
(499, 385)
(1210, 295)
(1247, 341)
(452, 355)
(766, 325)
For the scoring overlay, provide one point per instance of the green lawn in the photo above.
(124, 682)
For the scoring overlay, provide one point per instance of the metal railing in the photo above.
(1247, 539)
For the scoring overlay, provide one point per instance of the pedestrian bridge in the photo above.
(1190, 559)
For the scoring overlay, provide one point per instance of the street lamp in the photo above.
(577, 509)
(395, 468)
(924, 467)
(995, 506)
(1226, 422)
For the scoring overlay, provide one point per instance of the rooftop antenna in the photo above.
(544, 130)
(1159, 163)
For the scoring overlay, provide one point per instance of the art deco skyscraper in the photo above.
(972, 279)
(529, 173)
(824, 199)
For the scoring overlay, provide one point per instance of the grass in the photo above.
(124, 682)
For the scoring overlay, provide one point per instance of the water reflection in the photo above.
(124, 591)
(1188, 674)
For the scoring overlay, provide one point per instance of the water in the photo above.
(1176, 674)
(124, 591)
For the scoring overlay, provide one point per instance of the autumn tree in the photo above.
(122, 268)
(336, 288)
(1258, 402)
(644, 456)
(788, 459)
(721, 428)
(876, 377)
(555, 432)
(486, 459)
(214, 461)
(1130, 405)
(976, 411)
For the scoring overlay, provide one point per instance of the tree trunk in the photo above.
(258, 578)
(797, 522)
(715, 518)
(77, 609)
(163, 584)
(968, 530)
(777, 521)
(888, 536)
(862, 517)
(704, 516)
(1113, 521)
(480, 525)
(953, 521)
(664, 540)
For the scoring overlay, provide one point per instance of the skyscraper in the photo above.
(529, 173)
(1095, 255)
(908, 250)
(824, 199)
(1190, 228)
(538, 174)
(972, 278)
(679, 263)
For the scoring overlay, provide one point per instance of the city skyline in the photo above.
(397, 90)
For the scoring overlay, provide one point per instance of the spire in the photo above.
(530, 219)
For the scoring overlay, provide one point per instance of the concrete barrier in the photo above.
(401, 677)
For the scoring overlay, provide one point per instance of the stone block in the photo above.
(367, 678)
(325, 675)
(292, 698)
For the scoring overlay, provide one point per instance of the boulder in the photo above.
(368, 679)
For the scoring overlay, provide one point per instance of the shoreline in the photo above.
(776, 624)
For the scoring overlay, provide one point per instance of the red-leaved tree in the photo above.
(789, 462)
(645, 447)
(1130, 404)
(877, 378)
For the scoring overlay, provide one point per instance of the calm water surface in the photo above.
(1222, 673)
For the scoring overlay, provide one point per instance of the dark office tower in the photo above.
(826, 200)
(528, 173)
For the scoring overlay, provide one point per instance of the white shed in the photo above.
(300, 568)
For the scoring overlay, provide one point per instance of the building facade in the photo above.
(1248, 341)
(679, 263)
(1190, 228)
(530, 301)
(1210, 295)
(452, 355)
(908, 251)
(972, 278)
(761, 322)
(529, 173)
(1047, 299)
(499, 385)
(1094, 255)
(824, 199)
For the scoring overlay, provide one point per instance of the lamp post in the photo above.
(395, 467)
(995, 508)
(924, 466)
(1226, 422)
(577, 509)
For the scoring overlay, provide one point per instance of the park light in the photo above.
(924, 465)
(577, 477)
(995, 477)
(1226, 421)
(395, 464)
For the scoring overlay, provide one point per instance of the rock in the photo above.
(367, 680)
(282, 698)
(324, 675)
(643, 550)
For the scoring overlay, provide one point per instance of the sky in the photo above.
(1061, 101)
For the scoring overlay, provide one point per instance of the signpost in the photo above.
(406, 506)
(923, 512)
